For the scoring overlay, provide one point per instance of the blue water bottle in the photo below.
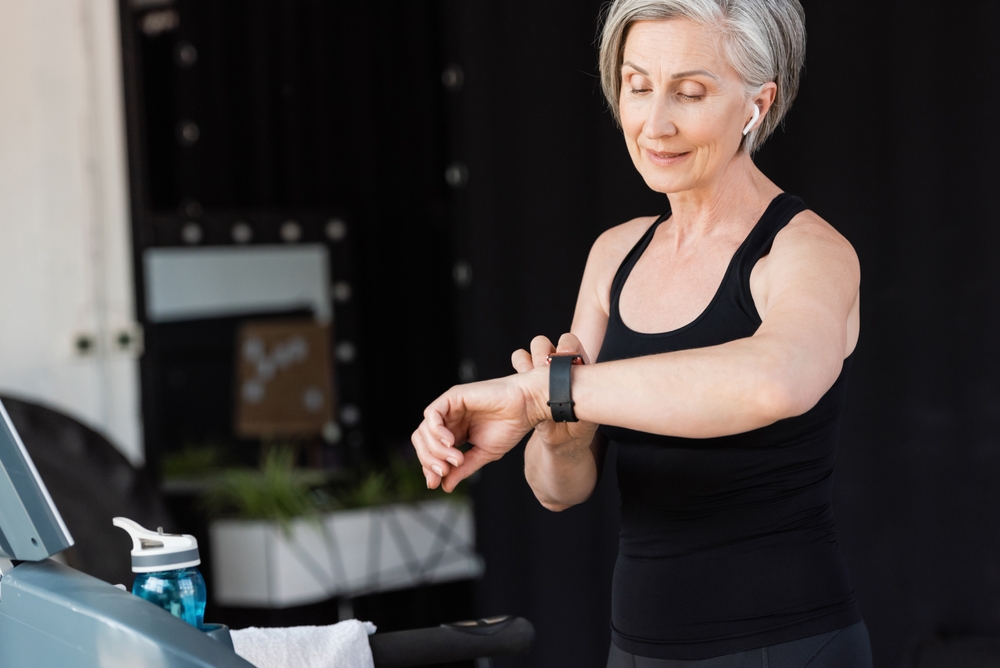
(166, 568)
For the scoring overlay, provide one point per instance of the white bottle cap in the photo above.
(154, 551)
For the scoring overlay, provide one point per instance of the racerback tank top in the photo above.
(727, 544)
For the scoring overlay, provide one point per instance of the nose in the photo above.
(659, 120)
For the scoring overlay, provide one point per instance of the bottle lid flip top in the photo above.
(154, 551)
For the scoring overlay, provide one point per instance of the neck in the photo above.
(737, 195)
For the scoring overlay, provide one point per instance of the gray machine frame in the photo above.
(31, 527)
(52, 616)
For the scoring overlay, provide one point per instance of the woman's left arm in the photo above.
(807, 291)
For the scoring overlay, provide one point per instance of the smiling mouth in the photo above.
(663, 155)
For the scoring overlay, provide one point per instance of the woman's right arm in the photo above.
(563, 475)
(562, 461)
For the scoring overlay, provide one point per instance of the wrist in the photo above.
(535, 386)
(563, 443)
(560, 385)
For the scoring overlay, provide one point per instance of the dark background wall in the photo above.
(893, 140)
(304, 110)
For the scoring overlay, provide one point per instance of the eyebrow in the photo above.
(636, 68)
(679, 75)
(691, 73)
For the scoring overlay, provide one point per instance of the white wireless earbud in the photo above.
(756, 115)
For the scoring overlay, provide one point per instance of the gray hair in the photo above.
(764, 40)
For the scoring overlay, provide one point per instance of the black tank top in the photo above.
(727, 543)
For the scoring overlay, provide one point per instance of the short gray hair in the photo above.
(764, 40)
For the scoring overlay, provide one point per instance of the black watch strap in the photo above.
(560, 399)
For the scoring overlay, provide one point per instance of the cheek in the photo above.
(705, 125)
(633, 119)
(701, 124)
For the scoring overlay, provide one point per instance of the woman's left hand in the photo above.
(492, 415)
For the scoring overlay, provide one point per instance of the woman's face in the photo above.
(683, 106)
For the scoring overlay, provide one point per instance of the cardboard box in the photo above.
(284, 382)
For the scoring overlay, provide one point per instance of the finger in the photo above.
(423, 444)
(437, 428)
(521, 361)
(541, 348)
(448, 454)
(433, 479)
(447, 420)
(569, 343)
(475, 459)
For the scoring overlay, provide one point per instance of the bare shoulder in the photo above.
(808, 238)
(810, 282)
(607, 254)
(810, 263)
(611, 247)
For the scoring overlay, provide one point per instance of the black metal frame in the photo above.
(382, 258)
(500, 636)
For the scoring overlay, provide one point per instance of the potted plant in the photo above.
(281, 538)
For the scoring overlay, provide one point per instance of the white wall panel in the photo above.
(65, 266)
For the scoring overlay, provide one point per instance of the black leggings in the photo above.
(844, 648)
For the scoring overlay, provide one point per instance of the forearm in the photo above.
(703, 393)
(561, 476)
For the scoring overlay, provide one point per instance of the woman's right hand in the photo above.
(555, 435)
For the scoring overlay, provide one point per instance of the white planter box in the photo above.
(347, 553)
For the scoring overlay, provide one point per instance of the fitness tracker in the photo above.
(560, 399)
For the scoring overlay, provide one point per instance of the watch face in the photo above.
(577, 357)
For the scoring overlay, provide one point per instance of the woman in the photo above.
(723, 332)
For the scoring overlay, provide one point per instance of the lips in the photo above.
(666, 158)
(663, 155)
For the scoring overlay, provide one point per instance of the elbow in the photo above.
(786, 395)
(551, 504)
(777, 401)
(555, 506)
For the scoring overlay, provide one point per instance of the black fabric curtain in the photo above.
(893, 140)
(263, 111)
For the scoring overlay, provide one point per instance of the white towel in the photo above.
(343, 645)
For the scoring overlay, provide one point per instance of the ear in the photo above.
(765, 98)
